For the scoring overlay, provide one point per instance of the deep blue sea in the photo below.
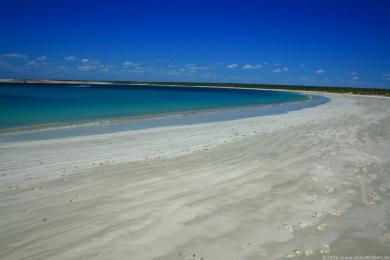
(25, 105)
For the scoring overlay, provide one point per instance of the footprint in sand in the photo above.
(289, 227)
(315, 179)
(373, 195)
(295, 252)
(335, 212)
(315, 214)
(321, 227)
(329, 189)
(372, 177)
(292, 228)
(301, 226)
(309, 251)
(350, 192)
(325, 249)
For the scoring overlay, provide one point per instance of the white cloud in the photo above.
(266, 63)
(42, 58)
(232, 66)
(285, 69)
(71, 58)
(320, 71)
(386, 76)
(191, 68)
(89, 65)
(130, 63)
(252, 67)
(173, 72)
(104, 68)
(131, 66)
(355, 76)
(31, 63)
(302, 65)
(15, 56)
(277, 70)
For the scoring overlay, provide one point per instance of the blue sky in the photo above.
(340, 43)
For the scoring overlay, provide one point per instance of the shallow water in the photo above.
(26, 105)
(164, 120)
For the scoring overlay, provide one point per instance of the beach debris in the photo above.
(295, 252)
(325, 249)
(321, 227)
(44, 220)
(335, 212)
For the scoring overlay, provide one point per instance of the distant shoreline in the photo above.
(320, 89)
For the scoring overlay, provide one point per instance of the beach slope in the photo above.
(313, 183)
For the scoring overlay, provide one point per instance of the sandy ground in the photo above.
(306, 184)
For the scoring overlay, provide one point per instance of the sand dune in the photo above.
(308, 183)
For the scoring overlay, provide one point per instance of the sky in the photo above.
(300, 42)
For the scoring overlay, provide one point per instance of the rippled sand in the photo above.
(308, 183)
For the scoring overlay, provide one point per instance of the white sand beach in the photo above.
(306, 184)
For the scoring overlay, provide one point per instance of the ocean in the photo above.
(39, 105)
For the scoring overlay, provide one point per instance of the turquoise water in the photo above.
(24, 105)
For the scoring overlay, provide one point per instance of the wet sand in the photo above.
(306, 184)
